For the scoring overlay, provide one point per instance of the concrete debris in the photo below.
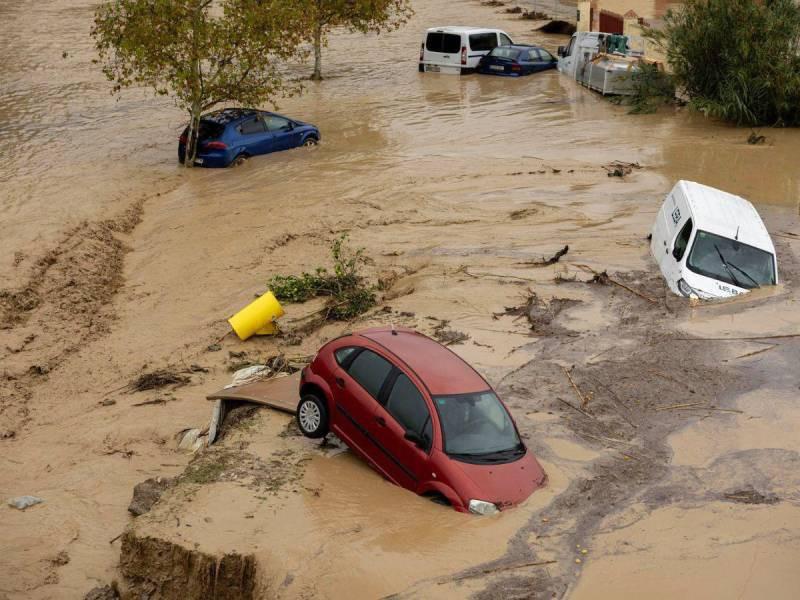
(147, 493)
(23, 502)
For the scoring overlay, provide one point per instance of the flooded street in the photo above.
(115, 260)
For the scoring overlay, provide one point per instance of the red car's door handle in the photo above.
(380, 421)
(340, 382)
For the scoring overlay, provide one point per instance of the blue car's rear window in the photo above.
(505, 52)
(208, 130)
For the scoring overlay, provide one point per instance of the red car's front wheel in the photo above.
(312, 416)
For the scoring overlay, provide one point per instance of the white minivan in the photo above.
(712, 244)
(458, 49)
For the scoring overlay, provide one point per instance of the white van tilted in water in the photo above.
(458, 49)
(711, 244)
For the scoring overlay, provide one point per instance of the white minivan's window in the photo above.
(731, 261)
(505, 40)
(446, 43)
(482, 42)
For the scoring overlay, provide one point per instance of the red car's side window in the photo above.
(407, 405)
(370, 371)
(344, 356)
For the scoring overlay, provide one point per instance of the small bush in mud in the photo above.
(349, 293)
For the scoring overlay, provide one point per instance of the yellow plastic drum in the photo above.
(258, 317)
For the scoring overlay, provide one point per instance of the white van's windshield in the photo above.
(477, 427)
(731, 261)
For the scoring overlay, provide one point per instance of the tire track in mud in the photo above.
(65, 302)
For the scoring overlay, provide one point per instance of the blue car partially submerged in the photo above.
(516, 60)
(232, 135)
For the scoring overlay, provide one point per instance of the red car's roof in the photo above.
(442, 371)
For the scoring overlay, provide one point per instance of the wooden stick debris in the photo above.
(573, 407)
(584, 400)
(604, 276)
(545, 262)
(756, 352)
(500, 569)
(677, 406)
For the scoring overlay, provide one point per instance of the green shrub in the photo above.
(737, 60)
(350, 295)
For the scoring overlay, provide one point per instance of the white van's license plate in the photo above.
(497, 67)
(432, 68)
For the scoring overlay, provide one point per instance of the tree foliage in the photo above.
(358, 15)
(737, 60)
(200, 52)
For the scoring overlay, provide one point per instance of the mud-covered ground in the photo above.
(672, 464)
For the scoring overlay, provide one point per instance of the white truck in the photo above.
(711, 244)
(603, 62)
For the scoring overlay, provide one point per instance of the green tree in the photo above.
(365, 16)
(200, 52)
(737, 60)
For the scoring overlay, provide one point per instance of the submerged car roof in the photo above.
(726, 215)
(442, 371)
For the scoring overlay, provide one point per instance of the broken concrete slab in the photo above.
(23, 502)
(147, 493)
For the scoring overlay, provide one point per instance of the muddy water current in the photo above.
(451, 183)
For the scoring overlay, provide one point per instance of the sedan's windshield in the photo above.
(477, 425)
(731, 261)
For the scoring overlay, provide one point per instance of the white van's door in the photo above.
(483, 42)
(566, 60)
(672, 235)
(442, 53)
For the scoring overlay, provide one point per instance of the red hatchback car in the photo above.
(421, 416)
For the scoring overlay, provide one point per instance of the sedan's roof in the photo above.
(442, 371)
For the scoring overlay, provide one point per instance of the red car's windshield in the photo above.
(477, 425)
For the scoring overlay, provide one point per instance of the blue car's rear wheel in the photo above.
(239, 160)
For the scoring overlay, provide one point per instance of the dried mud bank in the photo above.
(160, 569)
(65, 303)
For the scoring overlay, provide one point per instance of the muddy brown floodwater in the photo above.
(114, 261)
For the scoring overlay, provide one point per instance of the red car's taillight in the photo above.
(216, 146)
(422, 52)
(463, 55)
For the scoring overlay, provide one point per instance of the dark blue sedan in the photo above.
(232, 135)
(516, 60)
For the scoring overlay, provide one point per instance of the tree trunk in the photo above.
(317, 76)
(192, 137)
